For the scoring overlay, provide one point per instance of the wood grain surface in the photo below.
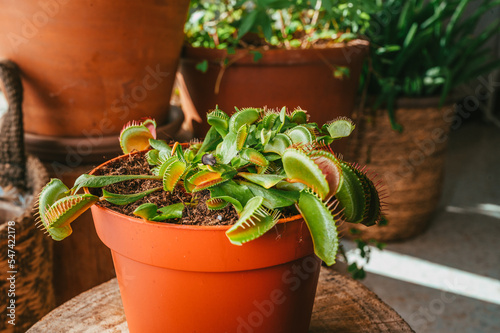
(342, 305)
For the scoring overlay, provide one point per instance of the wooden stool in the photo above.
(341, 305)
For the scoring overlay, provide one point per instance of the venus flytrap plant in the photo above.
(259, 161)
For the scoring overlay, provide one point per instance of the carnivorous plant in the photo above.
(259, 161)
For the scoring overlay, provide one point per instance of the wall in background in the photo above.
(491, 107)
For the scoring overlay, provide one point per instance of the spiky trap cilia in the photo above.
(259, 161)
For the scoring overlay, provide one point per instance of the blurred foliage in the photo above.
(426, 48)
(231, 24)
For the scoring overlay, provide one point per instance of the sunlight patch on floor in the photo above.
(482, 209)
(425, 273)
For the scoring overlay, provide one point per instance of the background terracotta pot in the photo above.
(410, 164)
(289, 78)
(87, 68)
(176, 278)
(93, 65)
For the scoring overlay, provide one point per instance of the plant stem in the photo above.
(283, 31)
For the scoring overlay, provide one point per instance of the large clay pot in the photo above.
(292, 78)
(93, 65)
(178, 278)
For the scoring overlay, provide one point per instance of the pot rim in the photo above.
(184, 246)
(280, 56)
(168, 224)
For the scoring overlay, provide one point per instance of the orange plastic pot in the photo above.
(293, 78)
(177, 278)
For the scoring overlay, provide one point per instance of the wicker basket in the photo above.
(34, 294)
(410, 164)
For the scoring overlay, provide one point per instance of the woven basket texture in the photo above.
(34, 293)
(410, 165)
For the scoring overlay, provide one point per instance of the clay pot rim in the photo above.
(167, 224)
(56, 148)
(280, 56)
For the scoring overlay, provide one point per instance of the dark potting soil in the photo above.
(195, 211)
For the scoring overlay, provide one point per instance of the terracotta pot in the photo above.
(91, 65)
(94, 148)
(178, 278)
(289, 78)
(410, 164)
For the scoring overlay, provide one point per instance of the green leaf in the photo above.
(352, 195)
(341, 72)
(229, 148)
(286, 186)
(300, 168)
(254, 157)
(203, 176)
(170, 212)
(330, 167)
(202, 66)
(58, 234)
(410, 35)
(269, 120)
(58, 216)
(300, 134)
(160, 145)
(243, 117)
(358, 197)
(92, 181)
(241, 136)
(212, 139)
(220, 120)
(216, 204)
(321, 225)
(264, 180)
(125, 199)
(387, 49)
(282, 118)
(254, 221)
(453, 21)
(150, 212)
(264, 22)
(278, 144)
(299, 116)
(237, 205)
(247, 23)
(172, 175)
(153, 157)
(340, 128)
(136, 137)
(147, 211)
(265, 136)
(273, 198)
(232, 189)
(257, 55)
(50, 193)
(272, 157)
(325, 140)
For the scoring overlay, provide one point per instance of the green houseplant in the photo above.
(420, 52)
(259, 164)
(293, 53)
